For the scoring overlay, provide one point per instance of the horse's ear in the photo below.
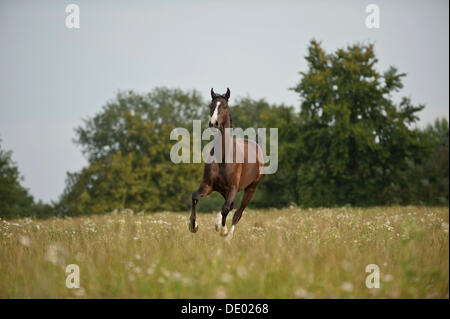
(227, 95)
(213, 95)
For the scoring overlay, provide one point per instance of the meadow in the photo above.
(275, 253)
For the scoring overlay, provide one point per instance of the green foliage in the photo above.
(428, 182)
(14, 198)
(350, 143)
(275, 190)
(354, 140)
(128, 148)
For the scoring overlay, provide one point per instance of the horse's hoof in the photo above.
(230, 234)
(193, 228)
(223, 231)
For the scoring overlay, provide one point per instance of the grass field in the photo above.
(289, 253)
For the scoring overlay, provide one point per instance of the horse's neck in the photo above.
(228, 122)
(226, 132)
(226, 136)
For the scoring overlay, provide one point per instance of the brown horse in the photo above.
(228, 177)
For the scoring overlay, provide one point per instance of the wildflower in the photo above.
(176, 275)
(241, 271)
(24, 241)
(55, 254)
(300, 293)
(160, 222)
(186, 280)
(226, 278)
(165, 272)
(388, 278)
(347, 287)
(346, 265)
(221, 293)
(80, 292)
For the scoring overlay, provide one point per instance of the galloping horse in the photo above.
(228, 177)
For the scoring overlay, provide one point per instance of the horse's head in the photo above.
(219, 112)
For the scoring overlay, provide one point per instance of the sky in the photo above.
(52, 77)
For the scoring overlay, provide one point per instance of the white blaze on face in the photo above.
(215, 114)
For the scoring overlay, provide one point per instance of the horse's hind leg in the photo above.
(221, 219)
(248, 194)
(203, 190)
(226, 208)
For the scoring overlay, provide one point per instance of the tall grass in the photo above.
(289, 253)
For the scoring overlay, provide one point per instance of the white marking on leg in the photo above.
(230, 234)
(224, 230)
(219, 221)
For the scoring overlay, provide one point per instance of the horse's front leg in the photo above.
(220, 219)
(203, 190)
(248, 194)
(226, 208)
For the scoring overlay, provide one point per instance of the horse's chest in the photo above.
(221, 177)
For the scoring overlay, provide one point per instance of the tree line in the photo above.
(347, 143)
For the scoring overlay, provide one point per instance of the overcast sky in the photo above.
(51, 77)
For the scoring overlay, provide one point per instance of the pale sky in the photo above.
(52, 77)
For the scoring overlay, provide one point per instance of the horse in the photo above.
(228, 177)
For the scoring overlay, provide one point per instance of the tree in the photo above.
(14, 198)
(279, 189)
(436, 167)
(354, 140)
(128, 147)
(427, 182)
